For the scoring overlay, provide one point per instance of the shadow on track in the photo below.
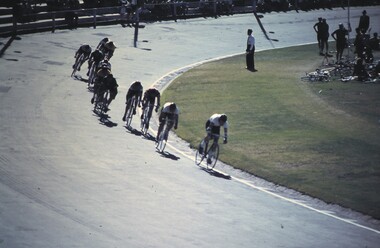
(215, 173)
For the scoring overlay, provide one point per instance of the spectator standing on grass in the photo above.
(364, 22)
(339, 36)
(250, 52)
(374, 42)
(317, 29)
(324, 29)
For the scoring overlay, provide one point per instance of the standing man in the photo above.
(250, 52)
(324, 28)
(318, 30)
(339, 36)
(364, 22)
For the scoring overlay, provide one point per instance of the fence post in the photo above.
(53, 17)
(94, 12)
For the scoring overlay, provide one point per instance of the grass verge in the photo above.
(322, 139)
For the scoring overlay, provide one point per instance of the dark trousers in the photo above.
(250, 61)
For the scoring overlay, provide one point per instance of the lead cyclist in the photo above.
(212, 126)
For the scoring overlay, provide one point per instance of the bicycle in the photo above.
(78, 63)
(92, 73)
(211, 154)
(128, 117)
(164, 135)
(145, 118)
(101, 102)
(317, 76)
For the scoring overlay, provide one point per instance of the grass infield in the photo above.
(322, 139)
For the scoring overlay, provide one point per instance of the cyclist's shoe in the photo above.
(209, 161)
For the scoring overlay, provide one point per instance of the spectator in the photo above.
(364, 22)
(324, 37)
(317, 29)
(339, 36)
(374, 42)
(250, 52)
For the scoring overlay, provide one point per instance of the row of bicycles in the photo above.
(345, 71)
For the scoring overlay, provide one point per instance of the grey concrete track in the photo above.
(69, 179)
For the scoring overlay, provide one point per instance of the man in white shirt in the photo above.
(250, 52)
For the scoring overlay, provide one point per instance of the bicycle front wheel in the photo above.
(199, 157)
(212, 156)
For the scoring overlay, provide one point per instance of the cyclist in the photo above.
(136, 90)
(150, 96)
(102, 43)
(170, 111)
(108, 83)
(109, 49)
(101, 73)
(83, 49)
(213, 125)
(95, 57)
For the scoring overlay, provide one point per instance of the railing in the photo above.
(40, 19)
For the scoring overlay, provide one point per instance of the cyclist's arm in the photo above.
(225, 134)
(175, 121)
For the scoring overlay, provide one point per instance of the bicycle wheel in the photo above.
(198, 156)
(77, 64)
(212, 156)
(129, 114)
(104, 106)
(161, 141)
(145, 121)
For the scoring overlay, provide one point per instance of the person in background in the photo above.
(250, 52)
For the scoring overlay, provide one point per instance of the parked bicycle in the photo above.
(211, 153)
(317, 76)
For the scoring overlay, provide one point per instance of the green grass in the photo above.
(322, 139)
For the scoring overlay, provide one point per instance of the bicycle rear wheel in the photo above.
(161, 142)
(129, 115)
(77, 64)
(212, 156)
(145, 121)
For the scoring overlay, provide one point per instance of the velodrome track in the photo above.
(70, 180)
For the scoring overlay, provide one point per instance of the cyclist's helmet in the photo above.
(172, 107)
(87, 48)
(223, 118)
(110, 45)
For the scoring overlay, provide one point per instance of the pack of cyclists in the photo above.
(99, 67)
